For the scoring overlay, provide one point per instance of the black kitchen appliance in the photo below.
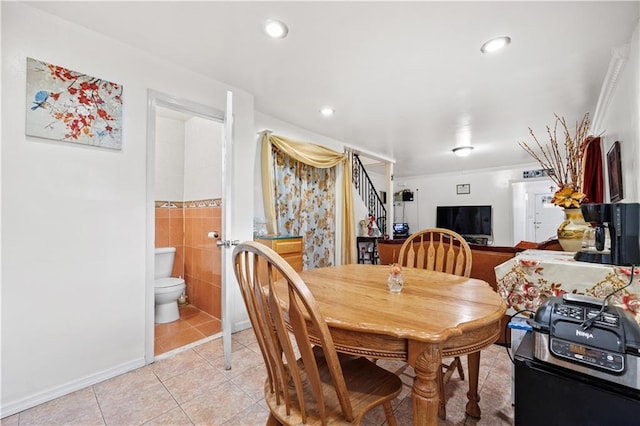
(625, 234)
(617, 223)
(580, 364)
(546, 394)
(573, 332)
(596, 243)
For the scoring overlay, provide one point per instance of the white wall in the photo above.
(170, 142)
(379, 180)
(188, 159)
(202, 159)
(621, 122)
(488, 187)
(75, 249)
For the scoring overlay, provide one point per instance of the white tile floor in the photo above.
(193, 388)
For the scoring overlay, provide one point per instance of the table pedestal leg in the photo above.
(425, 387)
(473, 362)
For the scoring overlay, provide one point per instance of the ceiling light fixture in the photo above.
(462, 151)
(495, 44)
(276, 29)
(327, 112)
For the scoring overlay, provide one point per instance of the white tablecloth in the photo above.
(526, 281)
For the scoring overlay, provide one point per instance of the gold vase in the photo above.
(570, 231)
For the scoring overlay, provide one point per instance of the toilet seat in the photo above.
(168, 282)
(165, 285)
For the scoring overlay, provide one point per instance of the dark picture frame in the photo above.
(614, 170)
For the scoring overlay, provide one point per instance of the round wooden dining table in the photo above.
(435, 315)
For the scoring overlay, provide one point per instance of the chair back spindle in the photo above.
(437, 249)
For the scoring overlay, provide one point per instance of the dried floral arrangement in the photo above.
(564, 164)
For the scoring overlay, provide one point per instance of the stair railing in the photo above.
(368, 193)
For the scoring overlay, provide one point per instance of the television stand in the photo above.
(477, 239)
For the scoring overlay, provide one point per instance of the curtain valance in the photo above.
(308, 153)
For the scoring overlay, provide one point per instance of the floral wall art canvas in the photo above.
(73, 107)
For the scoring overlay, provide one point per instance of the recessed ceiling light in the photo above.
(275, 29)
(462, 151)
(327, 112)
(495, 44)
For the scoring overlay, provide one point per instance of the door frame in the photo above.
(158, 99)
(521, 191)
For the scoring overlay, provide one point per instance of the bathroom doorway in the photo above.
(186, 147)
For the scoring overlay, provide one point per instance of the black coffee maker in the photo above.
(615, 224)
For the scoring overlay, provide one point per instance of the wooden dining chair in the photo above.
(443, 250)
(320, 386)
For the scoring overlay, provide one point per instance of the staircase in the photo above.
(368, 193)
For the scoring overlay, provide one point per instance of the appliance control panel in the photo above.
(581, 313)
(599, 345)
(583, 354)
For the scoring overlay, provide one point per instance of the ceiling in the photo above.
(407, 79)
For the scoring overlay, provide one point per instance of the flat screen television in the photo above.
(465, 220)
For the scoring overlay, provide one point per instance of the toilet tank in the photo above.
(164, 261)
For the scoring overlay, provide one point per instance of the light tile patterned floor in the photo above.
(193, 388)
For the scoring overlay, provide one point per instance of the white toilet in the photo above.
(167, 289)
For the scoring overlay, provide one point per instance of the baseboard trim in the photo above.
(14, 407)
(241, 325)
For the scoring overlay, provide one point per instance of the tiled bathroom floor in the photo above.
(192, 326)
(193, 388)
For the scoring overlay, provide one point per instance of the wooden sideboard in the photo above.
(287, 246)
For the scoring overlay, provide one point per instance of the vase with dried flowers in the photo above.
(565, 168)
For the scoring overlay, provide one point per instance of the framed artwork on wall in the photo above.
(70, 106)
(614, 171)
(463, 188)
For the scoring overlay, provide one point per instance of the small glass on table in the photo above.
(395, 280)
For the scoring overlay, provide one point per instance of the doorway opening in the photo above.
(185, 190)
(534, 217)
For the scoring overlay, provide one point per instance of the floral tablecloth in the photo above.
(528, 279)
